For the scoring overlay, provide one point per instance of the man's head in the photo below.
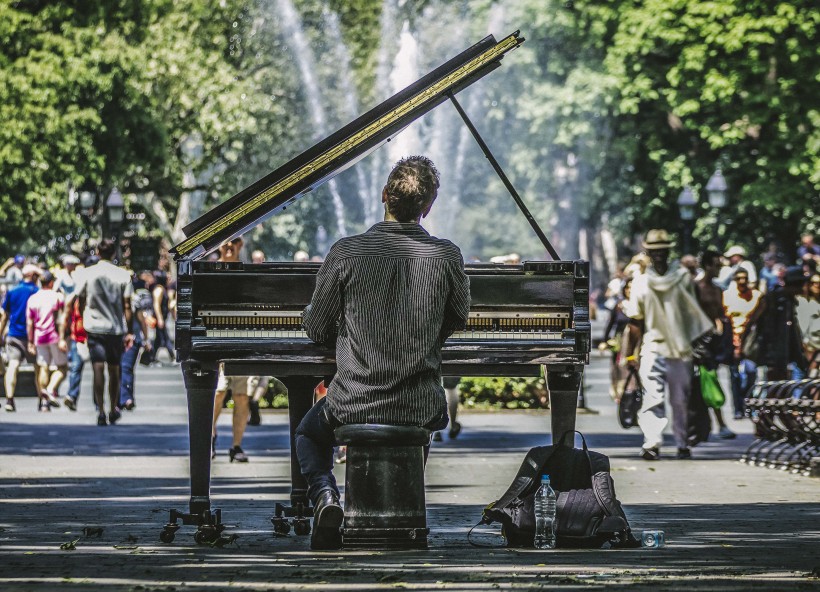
(47, 280)
(30, 272)
(735, 254)
(106, 249)
(741, 278)
(229, 250)
(19, 260)
(710, 262)
(794, 279)
(257, 256)
(301, 257)
(70, 262)
(411, 189)
(657, 244)
(690, 263)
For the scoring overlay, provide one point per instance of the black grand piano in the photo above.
(524, 319)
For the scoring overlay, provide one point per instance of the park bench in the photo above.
(786, 414)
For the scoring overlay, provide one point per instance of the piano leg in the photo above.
(200, 385)
(563, 384)
(300, 400)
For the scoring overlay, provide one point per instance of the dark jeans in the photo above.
(127, 365)
(162, 339)
(314, 448)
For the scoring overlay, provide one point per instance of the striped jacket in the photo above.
(388, 298)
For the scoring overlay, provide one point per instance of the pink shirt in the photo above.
(41, 310)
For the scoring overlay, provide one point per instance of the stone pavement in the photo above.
(728, 526)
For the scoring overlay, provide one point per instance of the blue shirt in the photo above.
(15, 307)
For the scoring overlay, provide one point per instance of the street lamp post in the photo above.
(686, 205)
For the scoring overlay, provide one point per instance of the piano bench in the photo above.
(384, 486)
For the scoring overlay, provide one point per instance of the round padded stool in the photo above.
(384, 486)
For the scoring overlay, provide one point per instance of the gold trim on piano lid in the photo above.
(325, 158)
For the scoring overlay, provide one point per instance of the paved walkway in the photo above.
(728, 526)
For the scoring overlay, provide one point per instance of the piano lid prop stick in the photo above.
(519, 202)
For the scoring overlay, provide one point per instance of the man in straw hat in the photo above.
(664, 299)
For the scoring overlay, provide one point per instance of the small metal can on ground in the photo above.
(652, 539)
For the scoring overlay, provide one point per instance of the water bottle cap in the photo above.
(545, 478)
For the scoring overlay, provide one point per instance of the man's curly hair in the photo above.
(411, 186)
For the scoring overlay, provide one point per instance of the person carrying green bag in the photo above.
(710, 298)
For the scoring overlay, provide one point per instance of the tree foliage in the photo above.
(600, 119)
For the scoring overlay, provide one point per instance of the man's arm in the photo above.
(457, 309)
(321, 317)
(633, 308)
(156, 293)
(30, 330)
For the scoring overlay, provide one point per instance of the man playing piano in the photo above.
(387, 299)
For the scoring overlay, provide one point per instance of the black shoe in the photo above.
(684, 454)
(43, 405)
(101, 421)
(10, 406)
(70, 403)
(653, 453)
(437, 437)
(255, 419)
(455, 430)
(738, 415)
(129, 405)
(114, 416)
(327, 522)
(237, 454)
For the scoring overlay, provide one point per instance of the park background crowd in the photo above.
(767, 318)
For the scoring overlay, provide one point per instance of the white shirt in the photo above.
(105, 287)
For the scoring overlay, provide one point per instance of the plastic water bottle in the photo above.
(545, 505)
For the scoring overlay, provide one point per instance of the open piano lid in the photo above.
(340, 150)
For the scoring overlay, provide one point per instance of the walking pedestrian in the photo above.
(781, 346)
(139, 328)
(44, 341)
(14, 317)
(741, 305)
(159, 293)
(710, 298)
(664, 299)
(808, 317)
(106, 292)
(239, 386)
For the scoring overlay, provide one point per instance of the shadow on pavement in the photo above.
(724, 547)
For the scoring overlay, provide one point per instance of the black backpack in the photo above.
(588, 513)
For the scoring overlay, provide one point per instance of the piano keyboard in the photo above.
(481, 325)
(462, 335)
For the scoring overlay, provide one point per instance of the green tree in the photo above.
(721, 83)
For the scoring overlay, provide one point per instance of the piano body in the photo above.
(523, 318)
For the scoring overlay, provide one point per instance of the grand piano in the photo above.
(524, 319)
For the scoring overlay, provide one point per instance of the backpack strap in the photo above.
(531, 467)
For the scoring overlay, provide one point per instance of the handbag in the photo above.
(750, 345)
(710, 388)
(588, 515)
(631, 400)
(699, 424)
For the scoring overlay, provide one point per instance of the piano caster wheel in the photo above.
(281, 527)
(168, 533)
(301, 526)
(206, 535)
